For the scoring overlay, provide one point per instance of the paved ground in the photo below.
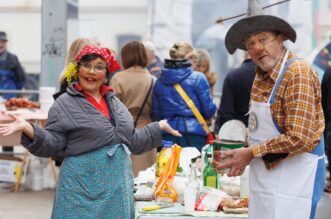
(323, 210)
(26, 205)
(38, 205)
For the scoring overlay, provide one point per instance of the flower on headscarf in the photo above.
(70, 72)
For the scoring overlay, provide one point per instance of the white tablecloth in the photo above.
(196, 214)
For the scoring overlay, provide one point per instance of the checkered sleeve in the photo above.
(298, 111)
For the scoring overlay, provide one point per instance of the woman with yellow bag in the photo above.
(169, 104)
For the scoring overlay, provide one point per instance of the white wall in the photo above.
(104, 19)
(22, 22)
(107, 24)
(324, 21)
(107, 19)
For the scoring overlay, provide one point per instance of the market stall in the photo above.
(14, 170)
(197, 191)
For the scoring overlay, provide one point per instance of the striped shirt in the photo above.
(297, 109)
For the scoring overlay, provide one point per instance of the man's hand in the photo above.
(237, 161)
(164, 125)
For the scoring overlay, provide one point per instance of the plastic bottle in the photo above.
(193, 176)
(163, 157)
(191, 191)
(210, 177)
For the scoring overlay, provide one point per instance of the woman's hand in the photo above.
(18, 124)
(164, 125)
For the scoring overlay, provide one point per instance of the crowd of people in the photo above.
(109, 118)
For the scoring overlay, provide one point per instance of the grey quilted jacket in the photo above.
(75, 126)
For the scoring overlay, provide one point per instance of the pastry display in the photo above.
(14, 103)
(230, 205)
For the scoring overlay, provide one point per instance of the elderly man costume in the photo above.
(286, 122)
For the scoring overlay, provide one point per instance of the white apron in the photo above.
(286, 191)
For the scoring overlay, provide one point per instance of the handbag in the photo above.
(144, 103)
(210, 136)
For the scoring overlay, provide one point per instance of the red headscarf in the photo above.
(111, 62)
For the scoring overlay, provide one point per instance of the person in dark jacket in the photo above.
(94, 132)
(168, 104)
(12, 75)
(326, 104)
(236, 94)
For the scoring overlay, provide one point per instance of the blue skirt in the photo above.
(96, 184)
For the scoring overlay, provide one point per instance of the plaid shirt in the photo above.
(297, 110)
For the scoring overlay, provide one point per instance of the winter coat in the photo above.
(168, 104)
(75, 126)
(131, 87)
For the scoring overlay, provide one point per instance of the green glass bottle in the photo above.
(209, 175)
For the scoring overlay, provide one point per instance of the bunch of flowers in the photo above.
(71, 72)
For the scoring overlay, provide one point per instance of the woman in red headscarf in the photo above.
(94, 133)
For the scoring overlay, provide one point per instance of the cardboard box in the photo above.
(9, 170)
(12, 139)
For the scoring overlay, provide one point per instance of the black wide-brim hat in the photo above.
(256, 23)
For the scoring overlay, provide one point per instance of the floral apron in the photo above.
(96, 184)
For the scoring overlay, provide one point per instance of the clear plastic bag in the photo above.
(164, 191)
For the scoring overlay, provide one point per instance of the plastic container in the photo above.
(220, 146)
(163, 157)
